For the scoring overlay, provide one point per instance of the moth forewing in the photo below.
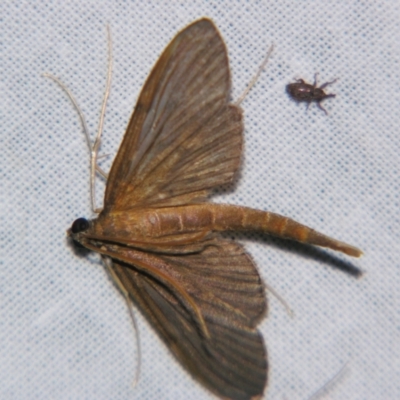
(202, 293)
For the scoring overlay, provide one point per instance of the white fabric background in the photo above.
(65, 331)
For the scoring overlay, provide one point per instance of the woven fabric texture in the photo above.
(65, 330)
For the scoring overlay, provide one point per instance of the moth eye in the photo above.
(80, 225)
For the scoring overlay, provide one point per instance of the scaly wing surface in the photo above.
(184, 138)
(225, 285)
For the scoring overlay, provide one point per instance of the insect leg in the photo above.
(321, 108)
(153, 266)
(108, 263)
(315, 80)
(280, 299)
(331, 383)
(327, 84)
(256, 76)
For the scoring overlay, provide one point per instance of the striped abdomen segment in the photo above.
(187, 224)
(236, 218)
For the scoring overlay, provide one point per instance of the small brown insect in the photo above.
(161, 238)
(302, 91)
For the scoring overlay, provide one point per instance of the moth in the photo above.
(160, 235)
(303, 91)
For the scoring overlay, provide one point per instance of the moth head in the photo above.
(78, 226)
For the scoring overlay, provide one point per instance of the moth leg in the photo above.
(280, 299)
(151, 265)
(101, 171)
(108, 263)
(255, 77)
(328, 386)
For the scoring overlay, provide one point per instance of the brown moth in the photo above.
(161, 237)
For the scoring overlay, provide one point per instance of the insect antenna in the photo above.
(81, 116)
(255, 77)
(74, 103)
(96, 146)
(94, 149)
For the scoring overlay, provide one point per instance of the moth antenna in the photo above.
(328, 386)
(75, 104)
(280, 299)
(255, 77)
(124, 292)
(95, 149)
(80, 113)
